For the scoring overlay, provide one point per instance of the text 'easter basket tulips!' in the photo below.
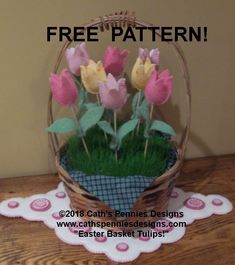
(110, 163)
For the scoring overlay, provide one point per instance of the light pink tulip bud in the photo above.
(143, 54)
(113, 94)
(114, 60)
(63, 88)
(159, 87)
(76, 57)
(153, 55)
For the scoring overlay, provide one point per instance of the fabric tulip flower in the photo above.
(113, 93)
(159, 87)
(63, 88)
(153, 55)
(114, 60)
(91, 75)
(76, 57)
(141, 73)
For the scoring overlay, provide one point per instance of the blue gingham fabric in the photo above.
(119, 193)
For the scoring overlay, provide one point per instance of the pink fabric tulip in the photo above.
(114, 60)
(63, 88)
(113, 94)
(159, 87)
(76, 57)
(153, 55)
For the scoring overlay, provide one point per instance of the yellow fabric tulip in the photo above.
(141, 72)
(91, 75)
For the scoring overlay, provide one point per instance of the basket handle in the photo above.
(123, 19)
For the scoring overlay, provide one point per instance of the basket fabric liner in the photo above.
(120, 193)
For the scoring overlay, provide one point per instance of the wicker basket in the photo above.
(157, 195)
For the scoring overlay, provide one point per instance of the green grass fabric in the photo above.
(131, 160)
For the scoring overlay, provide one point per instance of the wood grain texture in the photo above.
(208, 241)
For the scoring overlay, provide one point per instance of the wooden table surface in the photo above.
(210, 241)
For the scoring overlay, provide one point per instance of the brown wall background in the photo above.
(27, 59)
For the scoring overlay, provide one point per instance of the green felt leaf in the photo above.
(114, 143)
(63, 125)
(146, 131)
(144, 104)
(91, 117)
(106, 127)
(136, 102)
(126, 128)
(162, 127)
(143, 110)
(134, 116)
(136, 99)
(82, 97)
(90, 105)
